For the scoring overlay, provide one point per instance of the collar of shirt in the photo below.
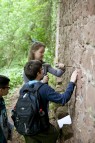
(32, 82)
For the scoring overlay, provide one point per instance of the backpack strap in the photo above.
(30, 87)
(35, 88)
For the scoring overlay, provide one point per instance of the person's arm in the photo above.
(57, 72)
(51, 95)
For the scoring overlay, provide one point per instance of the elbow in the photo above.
(60, 73)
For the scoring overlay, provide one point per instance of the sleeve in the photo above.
(51, 95)
(56, 72)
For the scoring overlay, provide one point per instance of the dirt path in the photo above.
(11, 103)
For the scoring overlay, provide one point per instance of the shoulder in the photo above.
(45, 89)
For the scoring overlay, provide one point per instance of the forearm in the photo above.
(56, 72)
(51, 95)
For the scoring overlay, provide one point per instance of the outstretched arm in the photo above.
(57, 72)
(51, 95)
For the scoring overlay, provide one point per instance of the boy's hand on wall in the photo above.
(74, 76)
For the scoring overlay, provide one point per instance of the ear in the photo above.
(37, 73)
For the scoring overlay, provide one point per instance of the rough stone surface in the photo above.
(75, 45)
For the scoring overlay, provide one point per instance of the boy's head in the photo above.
(4, 85)
(33, 70)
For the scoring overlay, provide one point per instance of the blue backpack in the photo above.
(28, 115)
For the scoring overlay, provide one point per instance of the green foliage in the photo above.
(15, 75)
(52, 80)
(20, 21)
(16, 78)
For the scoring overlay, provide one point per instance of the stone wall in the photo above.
(75, 46)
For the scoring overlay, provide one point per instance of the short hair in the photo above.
(31, 69)
(4, 81)
(35, 46)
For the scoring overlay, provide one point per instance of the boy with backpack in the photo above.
(36, 128)
(5, 126)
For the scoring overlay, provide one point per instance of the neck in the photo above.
(37, 78)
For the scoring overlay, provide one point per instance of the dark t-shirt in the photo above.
(3, 121)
